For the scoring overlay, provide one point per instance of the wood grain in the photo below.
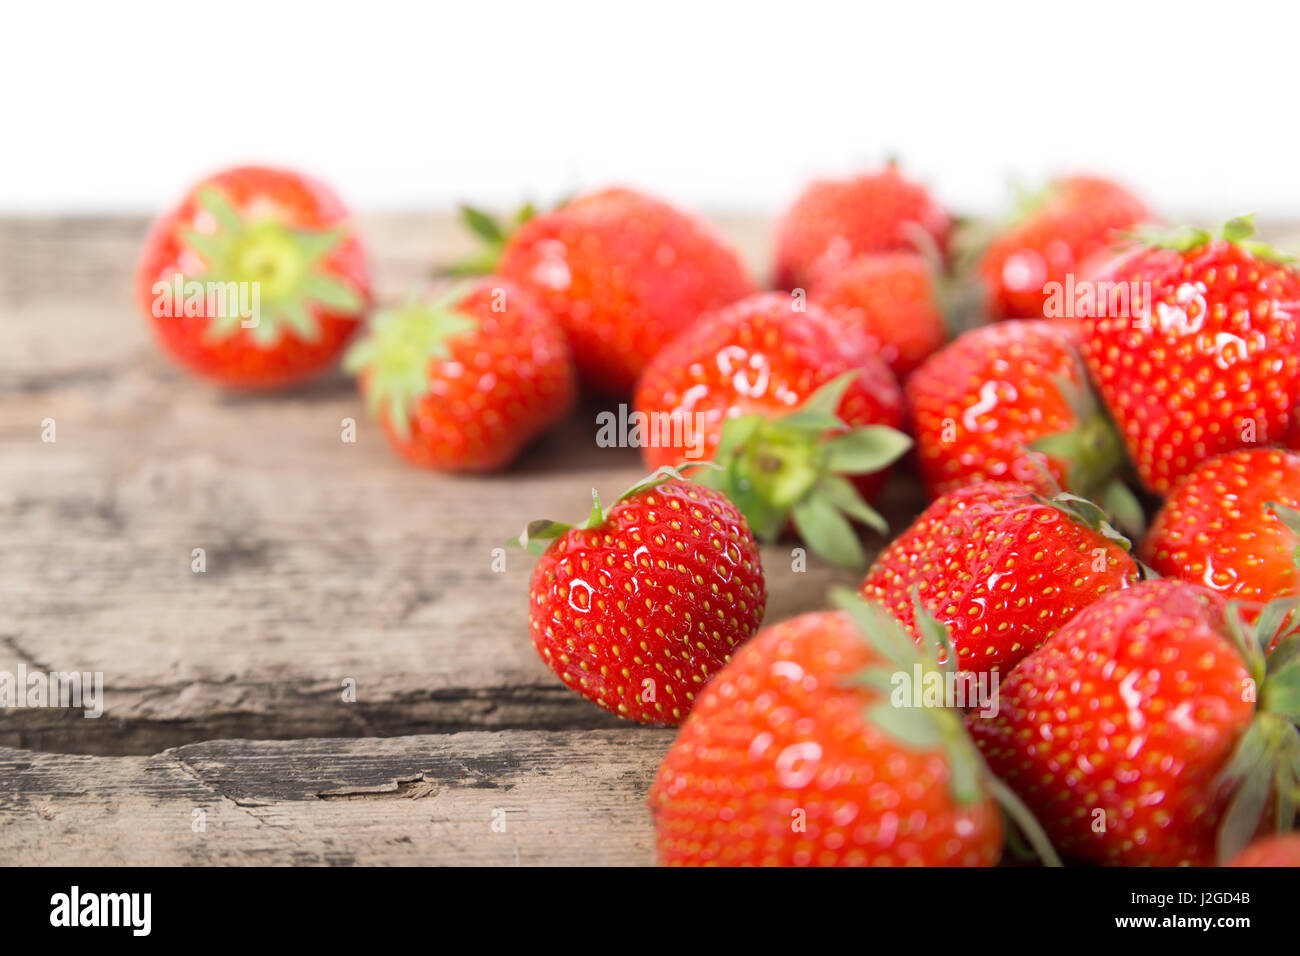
(326, 561)
(505, 798)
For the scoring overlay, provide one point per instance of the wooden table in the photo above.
(225, 735)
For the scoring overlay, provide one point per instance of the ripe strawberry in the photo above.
(462, 379)
(1001, 567)
(1283, 850)
(1012, 401)
(1210, 361)
(1134, 734)
(834, 221)
(788, 404)
(892, 299)
(622, 272)
(1069, 223)
(794, 756)
(1231, 526)
(637, 607)
(256, 280)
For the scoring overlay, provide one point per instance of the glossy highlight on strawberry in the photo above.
(624, 274)
(779, 765)
(637, 608)
(255, 240)
(1001, 567)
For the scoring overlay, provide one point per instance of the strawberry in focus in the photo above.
(1210, 362)
(1012, 401)
(256, 280)
(834, 221)
(1134, 734)
(462, 378)
(1232, 525)
(801, 417)
(624, 274)
(1057, 232)
(636, 608)
(1001, 567)
(892, 299)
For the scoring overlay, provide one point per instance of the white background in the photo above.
(119, 107)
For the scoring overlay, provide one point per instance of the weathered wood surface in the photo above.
(325, 560)
(482, 798)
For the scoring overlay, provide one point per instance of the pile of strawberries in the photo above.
(1014, 675)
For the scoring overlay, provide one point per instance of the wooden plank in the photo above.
(326, 561)
(507, 798)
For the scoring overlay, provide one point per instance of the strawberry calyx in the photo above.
(1238, 231)
(794, 468)
(284, 266)
(393, 359)
(539, 534)
(492, 234)
(1263, 773)
(1094, 454)
(921, 725)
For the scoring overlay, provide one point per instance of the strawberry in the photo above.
(622, 272)
(1001, 567)
(1232, 525)
(636, 608)
(892, 299)
(834, 221)
(1012, 401)
(462, 379)
(794, 756)
(1070, 222)
(1210, 360)
(1149, 731)
(788, 405)
(1283, 850)
(256, 280)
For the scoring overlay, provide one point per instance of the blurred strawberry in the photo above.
(623, 273)
(462, 378)
(1149, 730)
(1283, 850)
(835, 221)
(1055, 231)
(256, 280)
(892, 299)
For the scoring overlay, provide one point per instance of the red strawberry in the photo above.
(1069, 223)
(1134, 736)
(779, 765)
(1001, 567)
(1281, 850)
(834, 221)
(892, 299)
(256, 280)
(1210, 361)
(1231, 525)
(1012, 401)
(639, 606)
(788, 404)
(463, 379)
(624, 274)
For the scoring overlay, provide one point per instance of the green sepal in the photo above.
(401, 342)
(1238, 231)
(536, 537)
(239, 245)
(492, 234)
(791, 469)
(1087, 513)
